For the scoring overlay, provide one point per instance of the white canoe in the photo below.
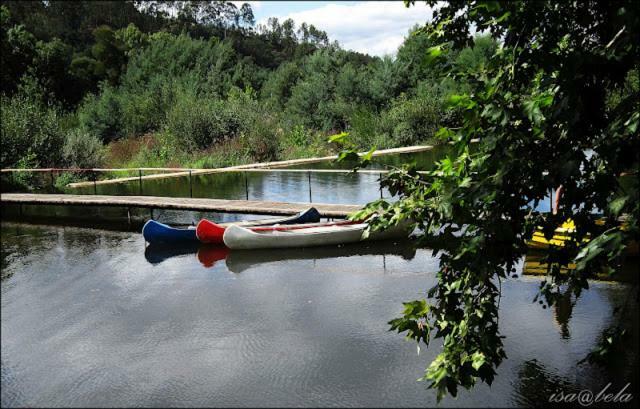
(236, 237)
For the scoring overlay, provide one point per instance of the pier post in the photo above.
(129, 215)
(190, 185)
(246, 186)
(380, 185)
(309, 177)
(140, 180)
(95, 185)
(51, 174)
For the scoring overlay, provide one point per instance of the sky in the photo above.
(371, 27)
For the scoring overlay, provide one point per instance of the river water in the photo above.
(94, 317)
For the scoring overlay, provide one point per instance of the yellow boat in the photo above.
(560, 235)
(564, 233)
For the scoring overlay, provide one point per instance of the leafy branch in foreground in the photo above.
(557, 104)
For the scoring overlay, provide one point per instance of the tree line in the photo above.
(200, 84)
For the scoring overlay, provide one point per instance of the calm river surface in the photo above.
(93, 318)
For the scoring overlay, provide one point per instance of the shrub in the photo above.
(364, 126)
(22, 181)
(201, 122)
(412, 120)
(298, 136)
(261, 139)
(225, 154)
(82, 149)
(64, 178)
(29, 129)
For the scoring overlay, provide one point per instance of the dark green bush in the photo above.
(102, 115)
(29, 129)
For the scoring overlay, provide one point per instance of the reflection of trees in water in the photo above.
(563, 304)
(535, 384)
(22, 240)
(621, 366)
(88, 241)
(18, 240)
(228, 185)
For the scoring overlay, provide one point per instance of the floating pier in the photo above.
(178, 203)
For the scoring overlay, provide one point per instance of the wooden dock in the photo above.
(178, 203)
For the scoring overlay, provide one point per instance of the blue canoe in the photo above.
(156, 232)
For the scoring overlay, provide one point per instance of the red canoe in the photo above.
(210, 232)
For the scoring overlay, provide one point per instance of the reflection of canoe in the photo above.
(239, 260)
(158, 252)
(209, 254)
(209, 232)
(236, 237)
(534, 264)
(156, 232)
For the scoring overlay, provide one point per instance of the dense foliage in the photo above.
(556, 104)
(188, 83)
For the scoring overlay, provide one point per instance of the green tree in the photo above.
(103, 114)
(131, 38)
(51, 67)
(109, 53)
(18, 48)
(548, 88)
(277, 87)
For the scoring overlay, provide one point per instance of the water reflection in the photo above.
(535, 382)
(238, 261)
(209, 255)
(241, 260)
(156, 253)
(563, 308)
(121, 324)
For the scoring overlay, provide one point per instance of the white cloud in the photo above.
(375, 28)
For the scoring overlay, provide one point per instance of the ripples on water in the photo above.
(92, 317)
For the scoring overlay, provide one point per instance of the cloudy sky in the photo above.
(375, 28)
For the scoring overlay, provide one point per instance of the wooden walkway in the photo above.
(178, 203)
